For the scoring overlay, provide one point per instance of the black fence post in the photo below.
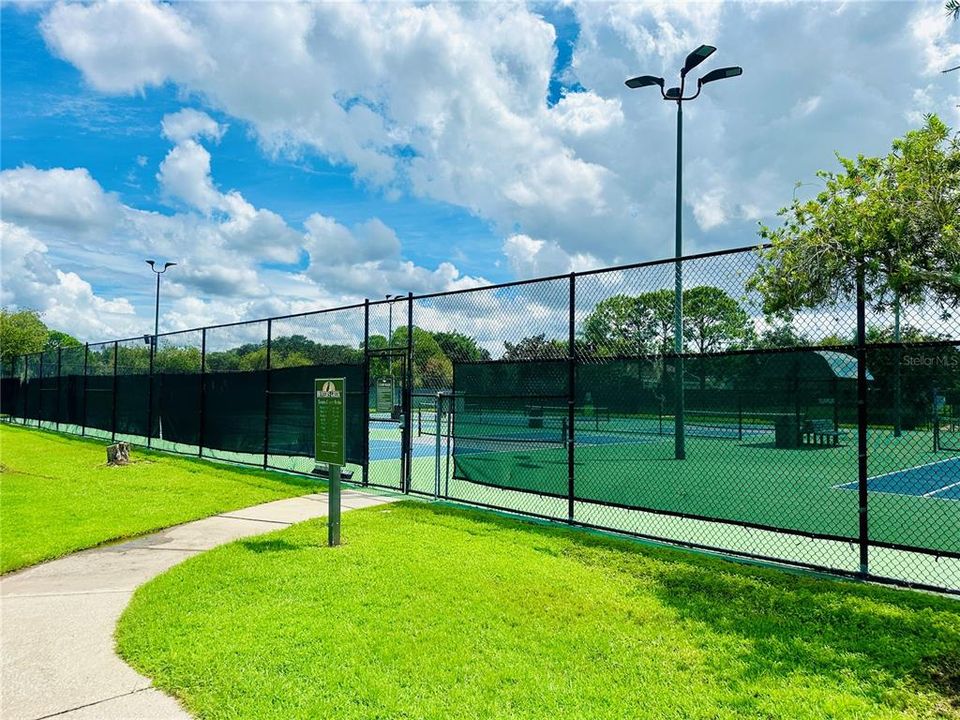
(56, 419)
(83, 397)
(862, 420)
(266, 399)
(153, 351)
(40, 396)
(571, 394)
(408, 399)
(203, 389)
(26, 388)
(366, 391)
(113, 396)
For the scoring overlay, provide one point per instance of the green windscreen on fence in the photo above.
(291, 409)
(770, 440)
(231, 406)
(176, 407)
(512, 419)
(10, 396)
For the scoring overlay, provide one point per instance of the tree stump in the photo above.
(118, 454)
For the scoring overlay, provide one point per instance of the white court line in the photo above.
(846, 485)
(915, 467)
(944, 488)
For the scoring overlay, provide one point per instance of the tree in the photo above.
(713, 321)
(431, 368)
(619, 325)
(535, 347)
(895, 219)
(460, 348)
(177, 360)
(781, 334)
(953, 9)
(57, 339)
(631, 325)
(21, 332)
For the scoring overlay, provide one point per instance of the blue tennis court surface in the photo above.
(939, 479)
(390, 450)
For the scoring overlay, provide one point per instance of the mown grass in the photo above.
(432, 612)
(57, 494)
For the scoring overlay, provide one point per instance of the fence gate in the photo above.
(388, 425)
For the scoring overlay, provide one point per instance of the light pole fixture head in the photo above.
(151, 263)
(720, 74)
(696, 57)
(168, 265)
(644, 81)
(672, 94)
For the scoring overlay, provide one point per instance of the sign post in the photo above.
(329, 443)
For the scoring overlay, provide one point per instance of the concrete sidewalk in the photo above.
(58, 618)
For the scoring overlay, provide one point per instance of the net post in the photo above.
(936, 422)
(83, 418)
(864, 530)
(571, 394)
(366, 390)
(203, 390)
(739, 417)
(113, 410)
(266, 397)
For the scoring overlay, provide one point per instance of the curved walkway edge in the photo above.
(57, 619)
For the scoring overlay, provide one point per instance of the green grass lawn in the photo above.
(57, 495)
(432, 612)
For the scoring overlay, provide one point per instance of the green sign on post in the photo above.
(330, 416)
(384, 394)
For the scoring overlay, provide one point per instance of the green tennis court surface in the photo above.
(728, 477)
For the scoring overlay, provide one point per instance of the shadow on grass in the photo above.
(787, 622)
(269, 545)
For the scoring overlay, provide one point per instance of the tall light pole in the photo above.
(675, 94)
(156, 312)
(390, 299)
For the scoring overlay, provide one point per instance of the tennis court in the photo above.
(734, 470)
(938, 479)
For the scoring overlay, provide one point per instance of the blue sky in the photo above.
(304, 155)
(51, 118)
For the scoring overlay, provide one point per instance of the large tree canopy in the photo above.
(23, 332)
(643, 324)
(896, 216)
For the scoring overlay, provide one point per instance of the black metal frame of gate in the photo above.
(404, 354)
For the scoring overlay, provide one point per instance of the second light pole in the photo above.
(156, 311)
(675, 94)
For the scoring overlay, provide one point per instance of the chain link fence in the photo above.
(828, 438)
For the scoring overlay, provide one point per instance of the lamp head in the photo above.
(673, 93)
(720, 74)
(167, 265)
(644, 81)
(150, 263)
(697, 57)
